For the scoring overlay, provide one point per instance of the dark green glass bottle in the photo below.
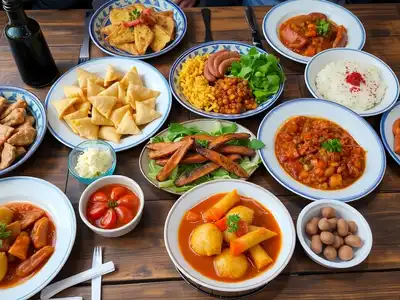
(28, 46)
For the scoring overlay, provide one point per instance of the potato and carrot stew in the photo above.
(27, 239)
(230, 238)
(319, 153)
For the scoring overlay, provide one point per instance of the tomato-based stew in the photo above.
(27, 240)
(319, 153)
(310, 34)
(229, 238)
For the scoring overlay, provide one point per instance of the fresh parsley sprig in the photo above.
(4, 233)
(323, 27)
(134, 14)
(233, 222)
(332, 145)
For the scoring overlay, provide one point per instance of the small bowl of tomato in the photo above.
(112, 206)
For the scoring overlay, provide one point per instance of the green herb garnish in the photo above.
(233, 222)
(4, 233)
(252, 144)
(134, 15)
(323, 27)
(262, 72)
(202, 143)
(332, 145)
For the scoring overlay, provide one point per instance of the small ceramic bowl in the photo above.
(99, 183)
(346, 212)
(78, 150)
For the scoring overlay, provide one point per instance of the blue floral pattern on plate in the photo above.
(209, 48)
(36, 109)
(101, 18)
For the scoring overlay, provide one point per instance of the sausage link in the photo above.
(225, 65)
(207, 74)
(211, 59)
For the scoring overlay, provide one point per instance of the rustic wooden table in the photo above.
(144, 270)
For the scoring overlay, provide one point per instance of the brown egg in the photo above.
(345, 252)
(337, 241)
(312, 226)
(332, 223)
(330, 253)
(327, 237)
(353, 241)
(352, 226)
(316, 244)
(342, 227)
(323, 224)
(328, 212)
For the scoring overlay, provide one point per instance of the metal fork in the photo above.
(84, 54)
(96, 282)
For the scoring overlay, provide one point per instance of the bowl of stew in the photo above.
(301, 29)
(112, 206)
(321, 150)
(230, 237)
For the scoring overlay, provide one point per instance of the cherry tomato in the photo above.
(99, 197)
(133, 23)
(97, 210)
(124, 214)
(117, 192)
(109, 220)
(129, 201)
(242, 228)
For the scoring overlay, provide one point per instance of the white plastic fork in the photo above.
(96, 282)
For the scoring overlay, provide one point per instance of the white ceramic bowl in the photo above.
(346, 212)
(99, 183)
(51, 199)
(288, 9)
(207, 125)
(319, 61)
(244, 188)
(356, 126)
(387, 121)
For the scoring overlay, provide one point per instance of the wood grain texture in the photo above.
(141, 258)
(351, 286)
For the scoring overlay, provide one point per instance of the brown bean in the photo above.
(330, 253)
(352, 226)
(345, 252)
(327, 237)
(316, 244)
(312, 226)
(342, 227)
(337, 241)
(323, 224)
(332, 223)
(328, 212)
(353, 241)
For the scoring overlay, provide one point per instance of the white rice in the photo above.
(331, 85)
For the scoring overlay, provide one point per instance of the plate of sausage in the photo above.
(390, 132)
(226, 80)
(300, 29)
(38, 228)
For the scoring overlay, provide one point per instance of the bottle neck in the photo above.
(17, 16)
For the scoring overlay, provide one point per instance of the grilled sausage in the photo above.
(226, 64)
(207, 74)
(220, 58)
(211, 59)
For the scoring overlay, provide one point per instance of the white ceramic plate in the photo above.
(152, 79)
(346, 212)
(202, 124)
(319, 61)
(356, 126)
(204, 191)
(386, 130)
(288, 9)
(50, 198)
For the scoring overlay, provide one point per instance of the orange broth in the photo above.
(205, 264)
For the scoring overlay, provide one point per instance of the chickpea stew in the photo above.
(229, 238)
(319, 153)
(27, 239)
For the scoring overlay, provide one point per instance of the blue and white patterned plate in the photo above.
(355, 125)
(101, 18)
(209, 48)
(36, 109)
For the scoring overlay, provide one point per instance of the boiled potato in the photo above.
(229, 236)
(206, 239)
(3, 265)
(6, 215)
(230, 266)
(246, 214)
